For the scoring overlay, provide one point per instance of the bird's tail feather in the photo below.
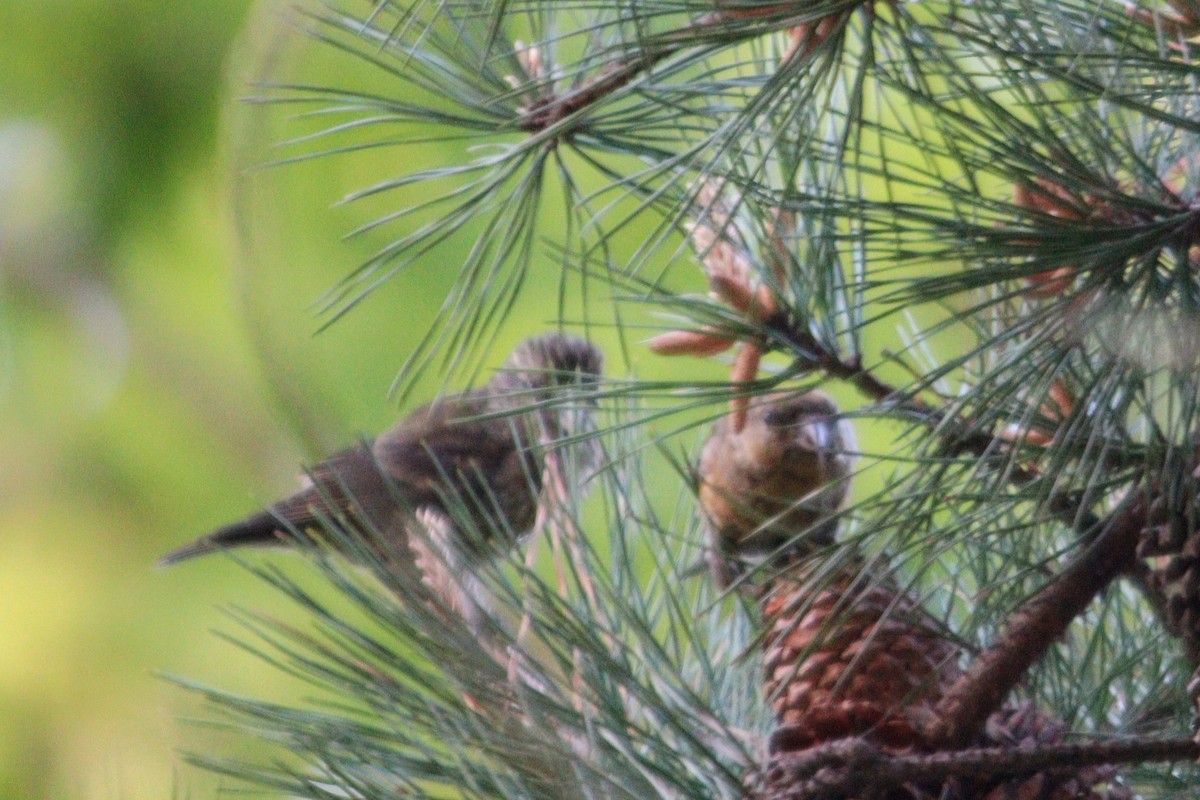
(259, 530)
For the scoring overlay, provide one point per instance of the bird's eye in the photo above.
(781, 416)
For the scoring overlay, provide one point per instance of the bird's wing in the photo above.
(349, 487)
(447, 456)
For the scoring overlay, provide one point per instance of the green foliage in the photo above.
(983, 216)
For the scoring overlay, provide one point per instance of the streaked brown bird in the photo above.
(464, 468)
(780, 479)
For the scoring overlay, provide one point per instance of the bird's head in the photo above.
(550, 361)
(805, 443)
(779, 480)
(557, 375)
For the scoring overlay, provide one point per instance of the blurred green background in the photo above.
(131, 408)
(157, 378)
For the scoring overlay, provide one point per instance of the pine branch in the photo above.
(855, 768)
(813, 354)
(728, 25)
(1039, 623)
(958, 438)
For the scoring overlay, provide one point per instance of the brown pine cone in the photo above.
(1175, 581)
(1174, 563)
(855, 657)
(858, 663)
(1170, 549)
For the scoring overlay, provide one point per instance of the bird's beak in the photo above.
(819, 436)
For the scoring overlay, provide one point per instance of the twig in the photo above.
(1041, 621)
(549, 111)
(1067, 507)
(554, 109)
(815, 355)
(853, 767)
